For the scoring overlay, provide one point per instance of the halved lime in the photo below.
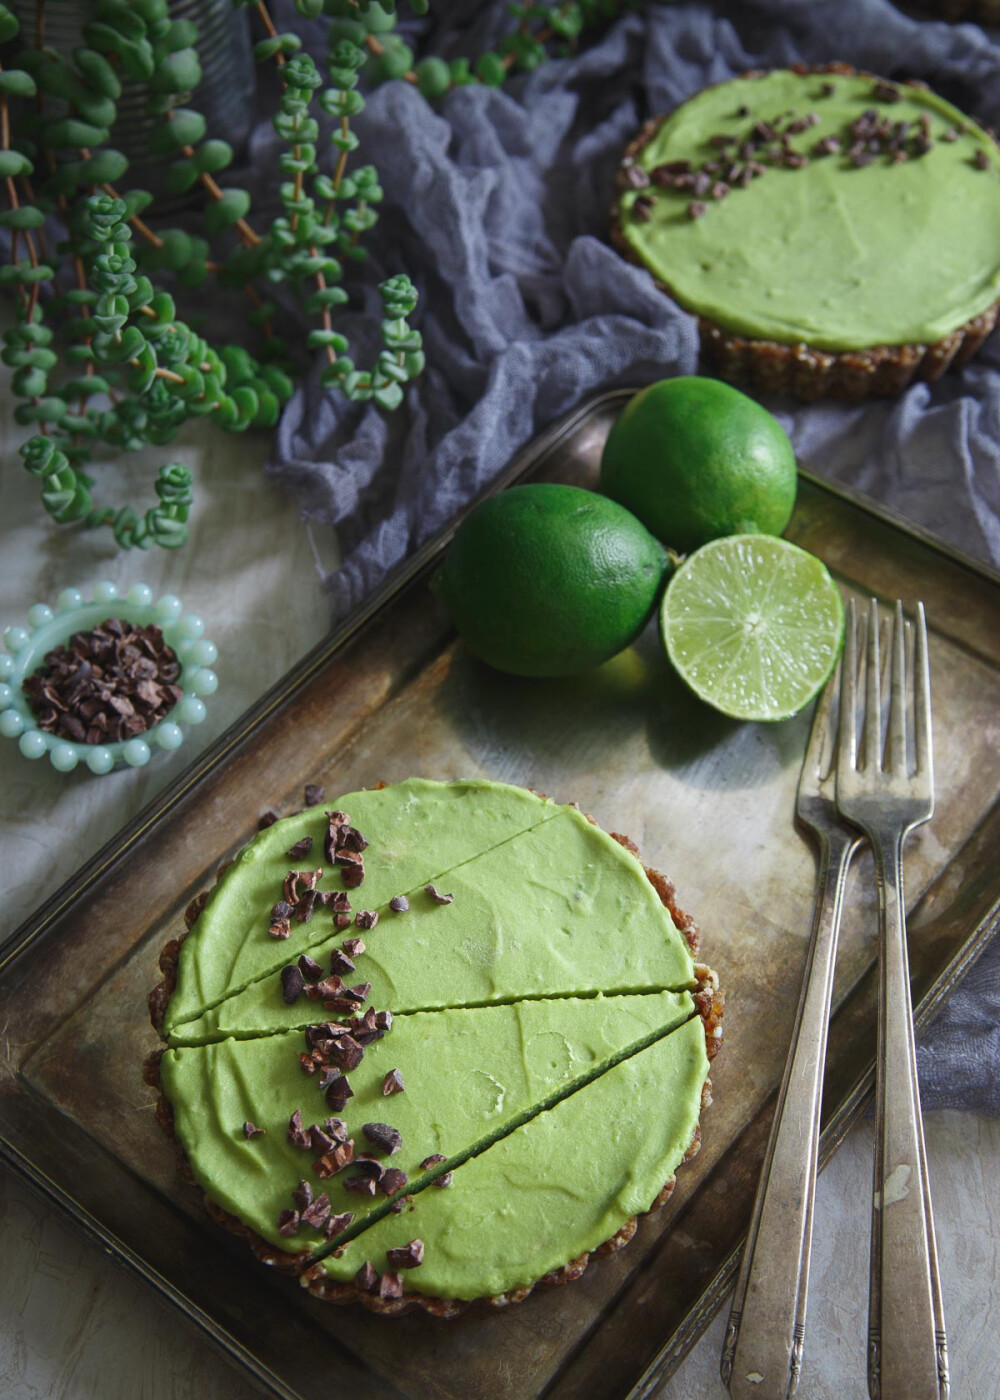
(754, 625)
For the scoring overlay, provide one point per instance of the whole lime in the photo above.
(549, 580)
(695, 459)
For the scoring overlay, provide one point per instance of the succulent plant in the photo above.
(101, 358)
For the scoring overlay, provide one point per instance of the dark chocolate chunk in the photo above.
(392, 1083)
(313, 794)
(399, 904)
(342, 920)
(367, 1277)
(297, 1134)
(411, 1256)
(643, 207)
(827, 89)
(444, 1180)
(279, 928)
(301, 848)
(337, 1224)
(336, 1127)
(354, 947)
(981, 160)
(288, 1222)
(434, 1160)
(267, 818)
(310, 968)
(250, 1130)
(365, 1029)
(380, 1135)
(338, 901)
(292, 984)
(390, 1285)
(720, 189)
(359, 993)
(352, 874)
(695, 209)
(383, 1019)
(366, 918)
(303, 1194)
(829, 146)
(438, 898)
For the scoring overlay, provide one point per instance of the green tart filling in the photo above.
(468, 1077)
(560, 909)
(506, 1063)
(416, 834)
(839, 243)
(556, 1187)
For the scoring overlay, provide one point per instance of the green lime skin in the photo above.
(695, 459)
(549, 580)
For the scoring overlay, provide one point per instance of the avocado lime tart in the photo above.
(434, 1043)
(836, 234)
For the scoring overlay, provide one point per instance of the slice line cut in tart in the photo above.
(229, 946)
(469, 1076)
(593, 923)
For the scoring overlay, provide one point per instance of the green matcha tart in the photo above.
(434, 1044)
(837, 235)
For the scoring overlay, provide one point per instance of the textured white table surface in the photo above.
(75, 1326)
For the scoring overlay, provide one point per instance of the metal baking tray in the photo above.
(709, 801)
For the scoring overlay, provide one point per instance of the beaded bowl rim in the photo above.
(77, 609)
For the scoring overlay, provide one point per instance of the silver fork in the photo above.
(907, 1347)
(762, 1354)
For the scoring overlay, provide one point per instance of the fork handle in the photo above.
(907, 1348)
(762, 1353)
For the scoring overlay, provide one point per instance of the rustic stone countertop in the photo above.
(75, 1326)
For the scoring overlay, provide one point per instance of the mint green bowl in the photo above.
(50, 627)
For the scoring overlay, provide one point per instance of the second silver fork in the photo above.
(763, 1349)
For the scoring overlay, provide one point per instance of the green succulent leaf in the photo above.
(177, 72)
(13, 163)
(212, 156)
(180, 176)
(105, 167)
(98, 72)
(233, 206)
(15, 82)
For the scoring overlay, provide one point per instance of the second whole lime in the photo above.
(550, 580)
(695, 459)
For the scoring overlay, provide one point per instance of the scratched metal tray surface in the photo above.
(710, 803)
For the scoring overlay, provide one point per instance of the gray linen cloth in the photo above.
(497, 206)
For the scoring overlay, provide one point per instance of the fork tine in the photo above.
(847, 748)
(922, 699)
(897, 694)
(873, 697)
(815, 764)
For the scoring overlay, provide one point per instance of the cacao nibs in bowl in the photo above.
(111, 683)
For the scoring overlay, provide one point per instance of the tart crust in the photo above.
(770, 366)
(709, 1001)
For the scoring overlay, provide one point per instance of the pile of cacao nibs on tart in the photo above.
(336, 1048)
(111, 683)
(740, 158)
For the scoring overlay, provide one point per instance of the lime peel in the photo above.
(753, 625)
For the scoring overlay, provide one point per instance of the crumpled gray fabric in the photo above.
(497, 206)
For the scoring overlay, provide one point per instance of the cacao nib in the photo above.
(382, 1136)
(411, 1256)
(392, 1083)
